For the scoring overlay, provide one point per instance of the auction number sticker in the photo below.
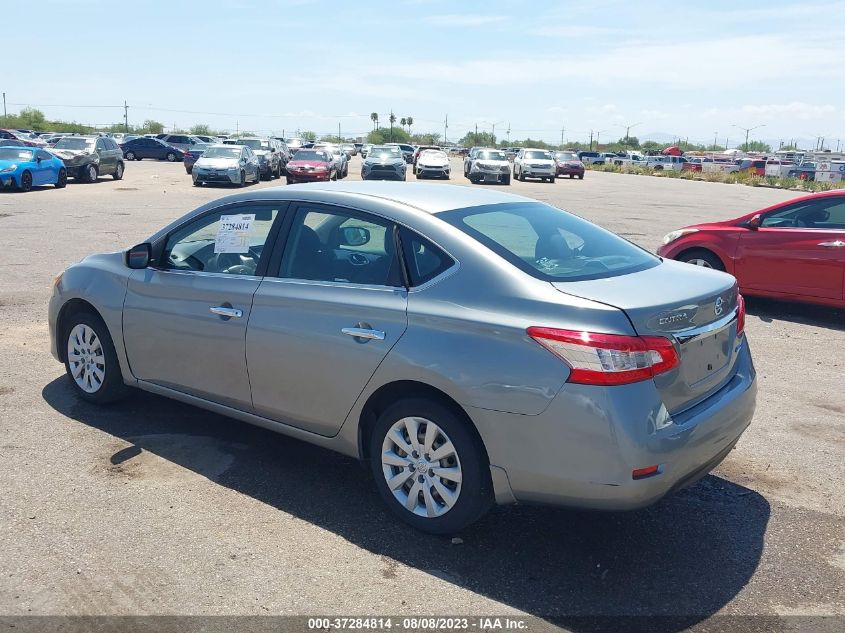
(233, 233)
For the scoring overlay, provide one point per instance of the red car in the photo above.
(794, 250)
(14, 135)
(567, 163)
(310, 165)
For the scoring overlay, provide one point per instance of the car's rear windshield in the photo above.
(15, 153)
(74, 142)
(549, 243)
(566, 156)
(254, 143)
(538, 154)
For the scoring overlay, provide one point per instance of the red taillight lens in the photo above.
(608, 359)
(740, 314)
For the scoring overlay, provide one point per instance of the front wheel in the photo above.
(61, 180)
(90, 360)
(243, 179)
(506, 180)
(703, 258)
(580, 176)
(26, 181)
(89, 173)
(429, 467)
(552, 180)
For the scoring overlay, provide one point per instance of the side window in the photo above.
(424, 260)
(44, 155)
(835, 214)
(338, 246)
(100, 146)
(230, 241)
(795, 216)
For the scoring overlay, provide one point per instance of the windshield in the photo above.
(566, 156)
(491, 155)
(434, 154)
(222, 152)
(538, 154)
(254, 143)
(75, 142)
(310, 154)
(384, 152)
(15, 153)
(549, 243)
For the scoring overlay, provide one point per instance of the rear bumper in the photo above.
(582, 450)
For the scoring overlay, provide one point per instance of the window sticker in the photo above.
(233, 233)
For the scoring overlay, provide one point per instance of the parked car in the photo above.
(365, 149)
(23, 167)
(210, 140)
(349, 149)
(489, 166)
(753, 166)
(591, 158)
(226, 164)
(311, 165)
(537, 357)
(12, 142)
(294, 143)
(358, 147)
(182, 141)
(793, 250)
(16, 135)
(268, 152)
(695, 163)
(534, 163)
(193, 154)
(341, 160)
(568, 164)
(803, 171)
(89, 157)
(407, 151)
(384, 162)
(432, 163)
(145, 147)
(419, 150)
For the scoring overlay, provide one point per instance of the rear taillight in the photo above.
(608, 359)
(740, 314)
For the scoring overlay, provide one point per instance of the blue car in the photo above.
(27, 167)
(143, 147)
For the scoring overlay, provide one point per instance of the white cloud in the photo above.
(799, 109)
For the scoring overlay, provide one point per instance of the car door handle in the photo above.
(834, 244)
(359, 332)
(227, 312)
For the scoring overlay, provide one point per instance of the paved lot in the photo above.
(153, 507)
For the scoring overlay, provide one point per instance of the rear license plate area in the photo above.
(706, 355)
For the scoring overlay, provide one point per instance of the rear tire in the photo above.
(97, 370)
(129, 156)
(171, 157)
(118, 172)
(701, 257)
(473, 495)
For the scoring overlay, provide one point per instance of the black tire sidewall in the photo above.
(113, 387)
(476, 488)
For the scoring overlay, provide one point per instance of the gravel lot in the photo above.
(154, 507)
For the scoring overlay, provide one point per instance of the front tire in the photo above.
(429, 467)
(61, 180)
(90, 173)
(701, 257)
(90, 360)
(26, 182)
(243, 179)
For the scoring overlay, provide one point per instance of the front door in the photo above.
(323, 321)
(185, 320)
(798, 250)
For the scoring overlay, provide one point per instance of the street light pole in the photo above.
(628, 131)
(748, 131)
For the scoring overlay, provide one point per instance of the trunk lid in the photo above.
(694, 307)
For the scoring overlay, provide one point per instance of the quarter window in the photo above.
(340, 247)
(230, 241)
(424, 260)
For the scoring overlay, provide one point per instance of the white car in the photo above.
(489, 165)
(534, 163)
(432, 163)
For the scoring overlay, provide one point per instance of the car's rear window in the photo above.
(549, 243)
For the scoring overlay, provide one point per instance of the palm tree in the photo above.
(374, 119)
(403, 122)
(409, 121)
(392, 121)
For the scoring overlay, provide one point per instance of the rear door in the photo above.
(184, 321)
(799, 250)
(329, 310)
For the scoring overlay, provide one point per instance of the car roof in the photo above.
(430, 198)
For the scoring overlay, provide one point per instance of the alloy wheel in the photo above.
(697, 261)
(421, 467)
(86, 358)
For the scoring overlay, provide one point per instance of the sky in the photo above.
(540, 69)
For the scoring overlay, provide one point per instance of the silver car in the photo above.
(226, 164)
(474, 346)
(384, 162)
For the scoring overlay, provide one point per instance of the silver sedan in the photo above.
(475, 347)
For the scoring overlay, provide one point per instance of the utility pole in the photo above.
(748, 130)
(476, 132)
(715, 136)
(562, 130)
(591, 140)
(125, 116)
(445, 127)
(4, 108)
(628, 132)
(339, 138)
(509, 134)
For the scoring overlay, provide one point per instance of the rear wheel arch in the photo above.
(388, 394)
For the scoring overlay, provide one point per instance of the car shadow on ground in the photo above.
(771, 310)
(684, 558)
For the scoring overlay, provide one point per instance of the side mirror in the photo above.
(354, 235)
(138, 257)
(754, 222)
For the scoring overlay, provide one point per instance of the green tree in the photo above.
(201, 128)
(33, 119)
(631, 142)
(483, 139)
(381, 136)
(374, 119)
(403, 121)
(392, 120)
(152, 127)
(757, 146)
(427, 138)
(409, 121)
(308, 136)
